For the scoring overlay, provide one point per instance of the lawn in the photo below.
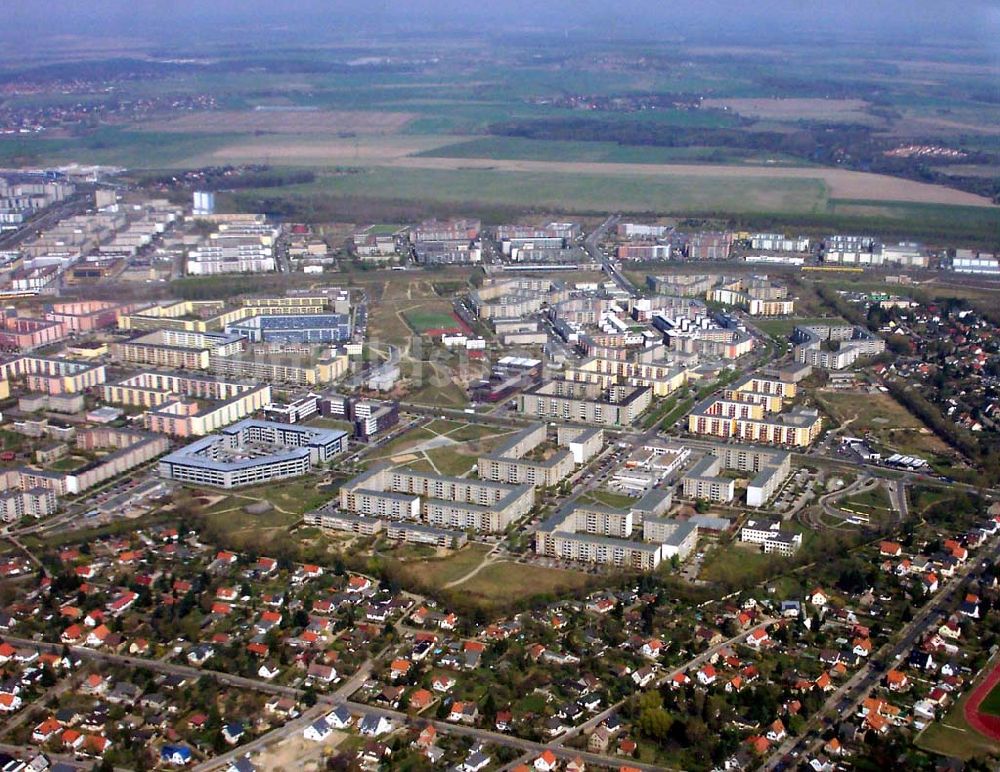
(451, 462)
(873, 502)
(436, 573)
(421, 321)
(404, 441)
(503, 582)
(67, 464)
(612, 499)
(294, 496)
(782, 328)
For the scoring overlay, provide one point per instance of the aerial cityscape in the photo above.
(554, 387)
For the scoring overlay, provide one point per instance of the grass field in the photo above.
(737, 566)
(888, 422)
(502, 582)
(451, 462)
(874, 503)
(422, 321)
(611, 499)
(438, 572)
(519, 148)
(991, 705)
(572, 187)
(951, 735)
(782, 328)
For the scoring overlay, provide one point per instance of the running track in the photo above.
(981, 722)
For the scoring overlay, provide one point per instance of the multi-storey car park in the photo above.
(294, 328)
(253, 452)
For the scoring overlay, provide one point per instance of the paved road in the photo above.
(496, 738)
(28, 753)
(692, 664)
(169, 668)
(845, 700)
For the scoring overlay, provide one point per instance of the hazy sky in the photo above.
(964, 22)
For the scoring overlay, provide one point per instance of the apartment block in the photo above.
(52, 376)
(176, 403)
(596, 534)
(293, 370)
(704, 482)
(771, 536)
(177, 349)
(445, 502)
(834, 347)
(511, 462)
(586, 403)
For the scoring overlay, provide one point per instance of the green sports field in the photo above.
(422, 321)
(991, 705)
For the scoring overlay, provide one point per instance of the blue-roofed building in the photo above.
(294, 328)
(177, 755)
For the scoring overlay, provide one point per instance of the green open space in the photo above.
(580, 192)
(450, 461)
(782, 328)
(421, 321)
(880, 417)
(520, 148)
(434, 574)
(67, 464)
(991, 703)
(503, 582)
(951, 735)
(737, 565)
(611, 499)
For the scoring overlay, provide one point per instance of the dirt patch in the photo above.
(286, 122)
(297, 753)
